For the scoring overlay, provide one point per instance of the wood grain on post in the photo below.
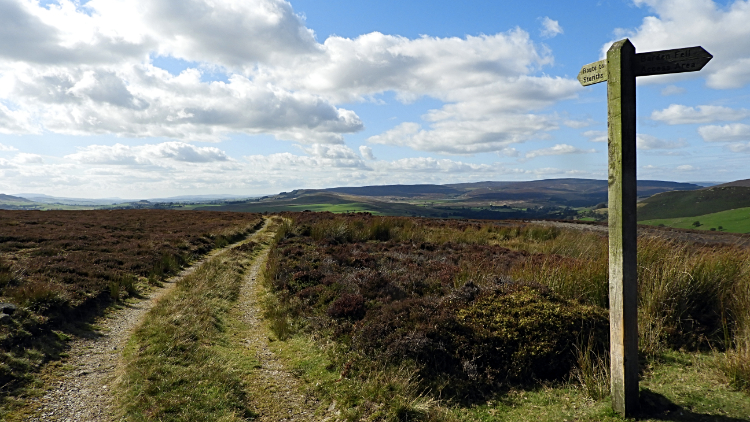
(623, 277)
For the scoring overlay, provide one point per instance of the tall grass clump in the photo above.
(736, 365)
(592, 369)
(690, 297)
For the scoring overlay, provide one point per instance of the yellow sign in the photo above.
(593, 73)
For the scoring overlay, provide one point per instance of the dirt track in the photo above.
(82, 391)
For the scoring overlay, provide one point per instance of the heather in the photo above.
(470, 309)
(60, 268)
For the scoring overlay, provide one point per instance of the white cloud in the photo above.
(150, 154)
(578, 124)
(677, 114)
(87, 69)
(726, 133)
(7, 148)
(351, 69)
(366, 152)
(550, 28)
(15, 122)
(25, 158)
(559, 149)
(686, 168)
(508, 152)
(649, 142)
(596, 135)
(739, 147)
(331, 151)
(672, 90)
(466, 137)
(144, 101)
(484, 82)
(426, 164)
(720, 29)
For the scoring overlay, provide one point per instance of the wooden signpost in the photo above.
(619, 70)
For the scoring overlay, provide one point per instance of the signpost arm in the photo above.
(623, 277)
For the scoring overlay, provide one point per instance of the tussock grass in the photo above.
(736, 365)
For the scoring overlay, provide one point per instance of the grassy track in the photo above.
(186, 363)
(734, 221)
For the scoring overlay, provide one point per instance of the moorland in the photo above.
(378, 317)
(60, 268)
(469, 320)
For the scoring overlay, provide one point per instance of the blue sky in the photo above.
(139, 99)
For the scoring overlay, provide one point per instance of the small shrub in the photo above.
(350, 306)
(523, 332)
(39, 296)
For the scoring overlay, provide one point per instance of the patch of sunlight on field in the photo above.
(734, 221)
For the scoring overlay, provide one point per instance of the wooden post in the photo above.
(619, 70)
(623, 270)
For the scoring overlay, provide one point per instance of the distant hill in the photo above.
(404, 191)
(694, 203)
(562, 192)
(9, 198)
(550, 192)
(554, 198)
(741, 183)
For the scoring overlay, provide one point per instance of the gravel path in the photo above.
(277, 393)
(82, 392)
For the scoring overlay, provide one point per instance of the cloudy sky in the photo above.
(150, 98)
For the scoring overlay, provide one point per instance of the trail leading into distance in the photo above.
(82, 391)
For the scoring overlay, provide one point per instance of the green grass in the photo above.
(677, 387)
(695, 203)
(184, 363)
(734, 221)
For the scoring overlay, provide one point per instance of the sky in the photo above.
(155, 98)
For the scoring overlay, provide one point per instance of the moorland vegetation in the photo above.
(59, 268)
(413, 311)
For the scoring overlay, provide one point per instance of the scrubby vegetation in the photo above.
(60, 267)
(468, 310)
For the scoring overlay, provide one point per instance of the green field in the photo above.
(735, 221)
(694, 203)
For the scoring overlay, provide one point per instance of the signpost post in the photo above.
(619, 70)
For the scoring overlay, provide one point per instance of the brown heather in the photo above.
(432, 294)
(61, 267)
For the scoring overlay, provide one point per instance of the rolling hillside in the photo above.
(550, 192)
(694, 203)
(551, 199)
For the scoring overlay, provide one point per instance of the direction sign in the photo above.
(690, 59)
(620, 70)
(593, 73)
